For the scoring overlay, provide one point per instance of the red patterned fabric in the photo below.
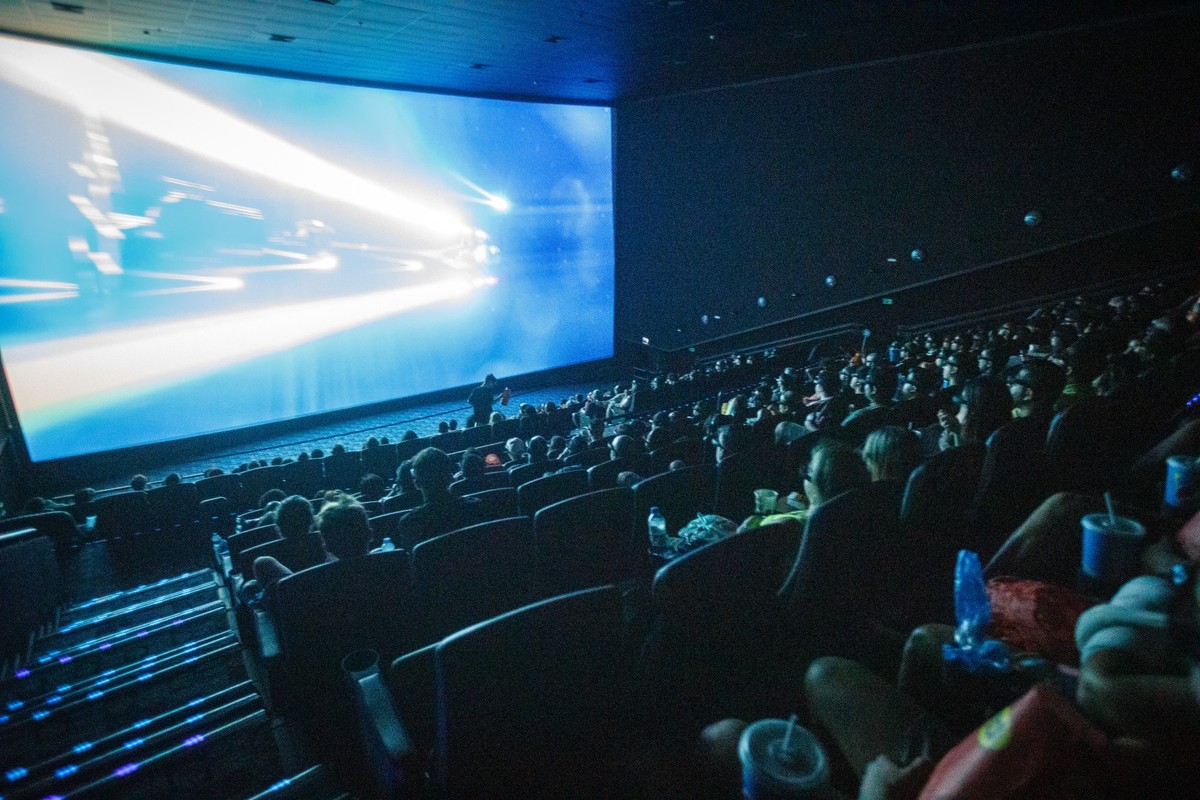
(1037, 617)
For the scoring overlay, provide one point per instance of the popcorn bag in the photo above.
(1027, 748)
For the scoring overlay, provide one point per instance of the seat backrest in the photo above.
(306, 477)
(343, 470)
(714, 587)
(241, 542)
(528, 702)
(504, 430)
(178, 504)
(474, 573)
(384, 525)
(526, 473)
(324, 612)
(691, 451)
(544, 491)
(604, 475)
(939, 494)
(447, 442)
(216, 516)
(380, 460)
(402, 502)
(679, 495)
(228, 486)
(844, 573)
(406, 450)
(585, 541)
(476, 436)
(496, 503)
(293, 554)
(260, 480)
(1012, 484)
(588, 458)
(738, 475)
(121, 515)
(58, 526)
(1088, 446)
(30, 589)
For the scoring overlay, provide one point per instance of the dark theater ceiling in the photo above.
(601, 51)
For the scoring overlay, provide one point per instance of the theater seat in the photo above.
(497, 503)
(239, 543)
(679, 495)
(846, 576)
(228, 486)
(120, 516)
(321, 614)
(529, 704)
(539, 493)
(472, 574)
(304, 478)
(527, 472)
(58, 526)
(175, 506)
(717, 633)
(586, 541)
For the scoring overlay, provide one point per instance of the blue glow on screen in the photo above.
(184, 251)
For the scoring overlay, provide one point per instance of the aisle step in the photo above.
(131, 595)
(102, 684)
(140, 612)
(86, 760)
(115, 649)
(309, 783)
(31, 733)
(183, 769)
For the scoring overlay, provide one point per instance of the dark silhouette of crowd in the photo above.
(884, 464)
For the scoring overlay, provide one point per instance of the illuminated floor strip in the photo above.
(116, 639)
(193, 741)
(82, 747)
(18, 713)
(298, 780)
(137, 743)
(127, 610)
(145, 587)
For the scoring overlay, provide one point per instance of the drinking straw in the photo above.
(787, 736)
(1112, 514)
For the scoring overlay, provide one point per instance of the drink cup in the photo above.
(1183, 483)
(1112, 548)
(765, 500)
(771, 772)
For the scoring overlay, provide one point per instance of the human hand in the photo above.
(885, 780)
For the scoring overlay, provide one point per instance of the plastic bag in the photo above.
(706, 528)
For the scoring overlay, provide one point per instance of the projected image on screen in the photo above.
(185, 251)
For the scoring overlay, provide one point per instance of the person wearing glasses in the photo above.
(1035, 387)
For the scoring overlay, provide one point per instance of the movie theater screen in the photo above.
(187, 250)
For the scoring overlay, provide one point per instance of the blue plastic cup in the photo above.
(1183, 482)
(1112, 548)
(771, 773)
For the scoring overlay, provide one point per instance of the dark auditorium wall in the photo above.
(765, 189)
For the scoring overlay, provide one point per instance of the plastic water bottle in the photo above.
(657, 525)
(387, 545)
(221, 552)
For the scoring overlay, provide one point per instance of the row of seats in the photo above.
(541, 692)
(31, 593)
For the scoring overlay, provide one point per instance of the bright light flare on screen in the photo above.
(198, 283)
(499, 203)
(100, 86)
(152, 356)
